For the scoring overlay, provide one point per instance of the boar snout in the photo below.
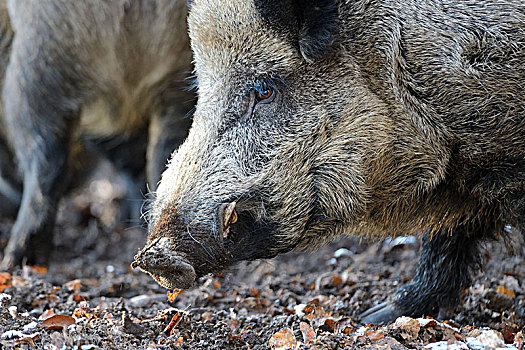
(167, 267)
(179, 252)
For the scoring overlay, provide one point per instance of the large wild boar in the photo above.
(107, 75)
(322, 118)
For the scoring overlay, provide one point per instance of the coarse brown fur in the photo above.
(388, 118)
(107, 75)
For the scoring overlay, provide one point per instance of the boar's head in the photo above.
(287, 147)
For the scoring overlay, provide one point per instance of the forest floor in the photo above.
(88, 297)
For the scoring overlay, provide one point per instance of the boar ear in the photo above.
(317, 24)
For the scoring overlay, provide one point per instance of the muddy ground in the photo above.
(299, 300)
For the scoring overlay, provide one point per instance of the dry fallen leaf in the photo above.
(44, 299)
(171, 326)
(329, 325)
(409, 327)
(73, 285)
(28, 339)
(5, 280)
(58, 322)
(46, 314)
(308, 333)
(345, 326)
(519, 340)
(336, 281)
(282, 339)
(173, 295)
(40, 270)
(374, 335)
(508, 332)
(19, 282)
(77, 298)
(506, 291)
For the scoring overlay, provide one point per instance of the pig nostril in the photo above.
(169, 269)
(229, 216)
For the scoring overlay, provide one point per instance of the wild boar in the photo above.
(106, 75)
(322, 118)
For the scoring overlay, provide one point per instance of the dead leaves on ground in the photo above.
(308, 333)
(505, 291)
(283, 339)
(5, 280)
(171, 326)
(173, 295)
(56, 322)
(405, 332)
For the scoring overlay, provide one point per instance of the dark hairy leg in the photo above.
(445, 268)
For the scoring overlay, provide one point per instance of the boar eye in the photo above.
(264, 92)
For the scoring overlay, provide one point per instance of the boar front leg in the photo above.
(40, 114)
(445, 269)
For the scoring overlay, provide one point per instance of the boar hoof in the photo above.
(382, 313)
(11, 259)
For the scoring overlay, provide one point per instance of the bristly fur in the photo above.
(397, 117)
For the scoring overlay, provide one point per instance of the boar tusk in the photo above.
(230, 216)
(233, 218)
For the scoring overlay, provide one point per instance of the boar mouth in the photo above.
(170, 270)
(177, 254)
(251, 239)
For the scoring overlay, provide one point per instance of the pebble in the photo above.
(398, 241)
(341, 252)
(444, 345)
(4, 298)
(30, 326)
(13, 311)
(474, 343)
(17, 335)
(491, 338)
(88, 347)
(145, 300)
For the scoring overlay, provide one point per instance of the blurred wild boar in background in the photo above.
(322, 118)
(107, 76)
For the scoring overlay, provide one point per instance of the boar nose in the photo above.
(226, 216)
(167, 267)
